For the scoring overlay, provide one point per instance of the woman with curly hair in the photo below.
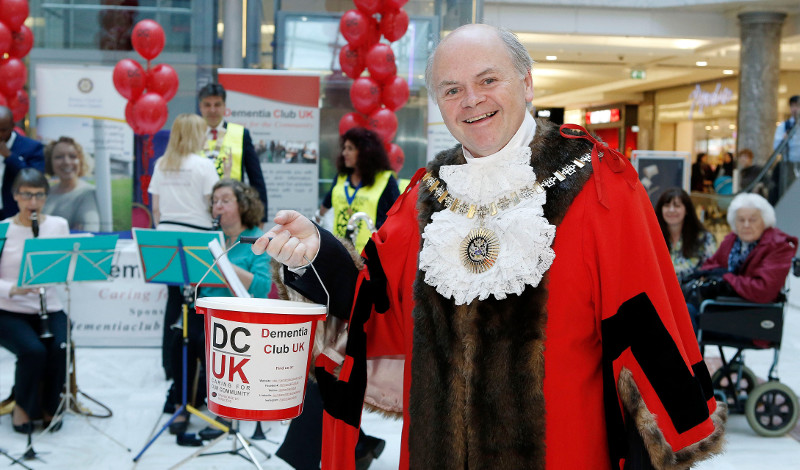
(72, 198)
(365, 184)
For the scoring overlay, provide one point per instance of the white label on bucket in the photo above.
(258, 366)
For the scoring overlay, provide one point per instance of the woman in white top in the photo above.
(182, 178)
(41, 362)
(181, 188)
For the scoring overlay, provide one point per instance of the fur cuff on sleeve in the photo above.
(661, 454)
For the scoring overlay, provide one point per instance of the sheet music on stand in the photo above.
(47, 261)
(226, 268)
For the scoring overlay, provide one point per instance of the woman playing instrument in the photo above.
(37, 338)
(239, 210)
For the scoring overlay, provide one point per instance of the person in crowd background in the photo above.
(226, 139)
(701, 173)
(365, 183)
(72, 198)
(723, 179)
(689, 243)
(41, 362)
(18, 152)
(726, 167)
(747, 170)
(181, 189)
(240, 211)
(755, 257)
(791, 158)
(464, 317)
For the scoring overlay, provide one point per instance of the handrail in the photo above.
(779, 150)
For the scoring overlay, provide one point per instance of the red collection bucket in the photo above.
(258, 352)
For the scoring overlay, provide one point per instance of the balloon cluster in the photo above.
(16, 40)
(147, 90)
(375, 97)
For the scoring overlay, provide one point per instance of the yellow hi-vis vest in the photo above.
(366, 200)
(233, 140)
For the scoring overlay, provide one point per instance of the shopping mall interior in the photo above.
(659, 81)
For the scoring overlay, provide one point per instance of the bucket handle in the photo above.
(251, 240)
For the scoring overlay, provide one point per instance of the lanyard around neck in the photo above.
(350, 197)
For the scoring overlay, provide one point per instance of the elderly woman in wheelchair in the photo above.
(741, 305)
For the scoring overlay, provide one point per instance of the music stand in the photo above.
(54, 261)
(183, 259)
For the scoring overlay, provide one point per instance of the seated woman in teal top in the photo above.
(240, 211)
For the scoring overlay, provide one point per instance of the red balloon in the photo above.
(148, 39)
(394, 24)
(394, 93)
(351, 120)
(351, 61)
(373, 34)
(384, 123)
(5, 39)
(369, 7)
(380, 62)
(354, 26)
(18, 104)
(394, 4)
(150, 113)
(21, 42)
(12, 76)
(396, 157)
(365, 95)
(163, 79)
(131, 119)
(129, 78)
(13, 13)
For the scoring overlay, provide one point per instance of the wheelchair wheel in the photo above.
(772, 409)
(727, 383)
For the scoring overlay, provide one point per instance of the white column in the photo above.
(232, 34)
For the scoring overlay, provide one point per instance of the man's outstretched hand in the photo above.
(295, 240)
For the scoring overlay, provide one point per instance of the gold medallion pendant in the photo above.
(479, 250)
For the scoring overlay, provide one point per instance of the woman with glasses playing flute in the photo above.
(32, 327)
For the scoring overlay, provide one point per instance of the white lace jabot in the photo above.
(525, 236)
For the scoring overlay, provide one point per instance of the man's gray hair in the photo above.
(751, 201)
(519, 55)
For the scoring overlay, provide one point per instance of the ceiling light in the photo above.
(551, 57)
(708, 128)
(701, 63)
(727, 72)
(731, 126)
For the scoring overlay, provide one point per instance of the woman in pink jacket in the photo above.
(755, 256)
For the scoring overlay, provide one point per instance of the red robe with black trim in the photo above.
(595, 368)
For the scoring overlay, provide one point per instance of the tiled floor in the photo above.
(130, 382)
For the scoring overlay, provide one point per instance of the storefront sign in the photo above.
(700, 99)
(602, 116)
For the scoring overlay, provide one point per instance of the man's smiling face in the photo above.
(481, 95)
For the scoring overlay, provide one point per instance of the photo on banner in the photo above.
(281, 110)
(91, 183)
